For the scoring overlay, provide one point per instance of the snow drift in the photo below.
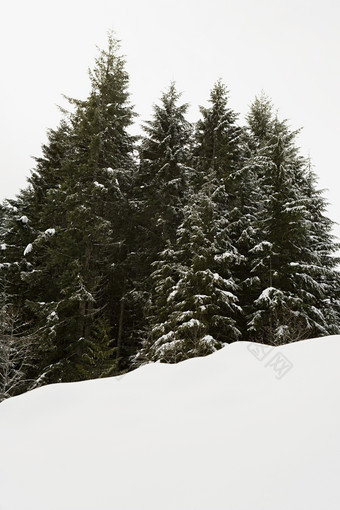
(246, 428)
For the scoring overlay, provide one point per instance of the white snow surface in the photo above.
(98, 185)
(249, 427)
(50, 231)
(27, 250)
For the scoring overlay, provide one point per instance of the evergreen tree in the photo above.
(99, 358)
(76, 209)
(291, 283)
(220, 152)
(194, 303)
(218, 139)
(164, 170)
(161, 190)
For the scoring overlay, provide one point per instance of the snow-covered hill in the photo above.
(246, 428)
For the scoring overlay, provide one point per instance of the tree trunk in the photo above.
(120, 327)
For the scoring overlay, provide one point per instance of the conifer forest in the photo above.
(124, 250)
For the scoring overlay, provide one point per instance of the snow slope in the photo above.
(246, 428)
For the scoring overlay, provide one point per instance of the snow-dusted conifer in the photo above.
(220, 149)
(289, 283)
(195, 296)
(99, 358)
(78, 191)
(161, 190)
(218, 138)
(164, 169)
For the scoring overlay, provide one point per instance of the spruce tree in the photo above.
(99, 358)
(195, 306)
(76, 206)
(161, 189)
(289, 283)
(220, 152)
(218, 138)
(164, 170)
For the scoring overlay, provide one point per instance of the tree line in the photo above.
(123, 250)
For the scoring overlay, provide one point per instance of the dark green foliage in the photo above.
(164, 172)
(218, 137)
(76, 207)
(292, 263)
(160, 194)
(163, 247)
(99, 358)
(194, 305)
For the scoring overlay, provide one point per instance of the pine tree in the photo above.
(76, 208)
(194, 303)
(99, 358)
(290, 283)
(220, 152)
(161, 190)
(164, 169)
(218, 139)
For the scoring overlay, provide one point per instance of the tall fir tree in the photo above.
(161, 191)
(218, 138)
(291, 284)
(74, 215)
(194, 305)
(165, 154)
(220, 152)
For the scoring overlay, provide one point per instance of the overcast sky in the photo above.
(288, 48)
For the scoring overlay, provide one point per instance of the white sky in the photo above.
(288, 48)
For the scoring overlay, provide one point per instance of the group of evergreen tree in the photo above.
(124, 250)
